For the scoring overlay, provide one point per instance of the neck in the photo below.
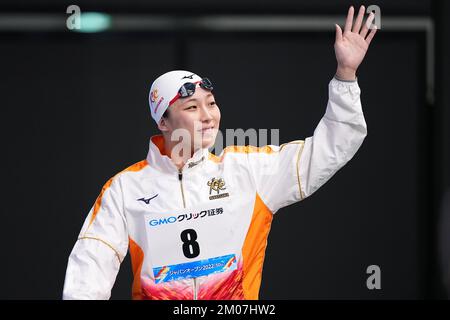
(178, 152)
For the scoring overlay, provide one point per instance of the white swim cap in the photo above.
(164, 90)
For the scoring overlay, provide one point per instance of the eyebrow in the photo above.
(195, 99)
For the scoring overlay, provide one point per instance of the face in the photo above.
(198, 116)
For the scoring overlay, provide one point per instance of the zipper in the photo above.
(180, 178)
(195, 288)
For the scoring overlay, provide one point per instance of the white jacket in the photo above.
(201, 233)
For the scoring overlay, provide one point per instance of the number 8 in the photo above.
(191, 248)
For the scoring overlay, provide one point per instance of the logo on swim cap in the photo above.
(154, 95)
(188, 77)
(159, 102)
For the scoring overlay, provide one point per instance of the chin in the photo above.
(208, 141)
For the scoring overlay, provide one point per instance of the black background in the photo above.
(74, 113)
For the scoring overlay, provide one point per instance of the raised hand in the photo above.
(351, 46)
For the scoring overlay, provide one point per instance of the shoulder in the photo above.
(136, 167)
(133, 169)
(233, 152)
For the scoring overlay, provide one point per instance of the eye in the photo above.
(191, 108)
(212, 103)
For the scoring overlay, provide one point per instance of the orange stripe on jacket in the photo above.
(135, 167)
(137, 258)
(254, 248)
(158, 140)
(240, 149)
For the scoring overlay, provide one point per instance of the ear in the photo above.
(163, 125)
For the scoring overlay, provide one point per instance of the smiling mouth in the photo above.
(208, 129)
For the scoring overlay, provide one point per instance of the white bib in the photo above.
(192, 242)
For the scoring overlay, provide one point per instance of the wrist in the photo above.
(346, 73)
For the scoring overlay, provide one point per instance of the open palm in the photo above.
(352, 44)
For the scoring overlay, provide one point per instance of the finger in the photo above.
(366, 25)
(338, 33)
(371, 34)
(359, 19)
(349, 20)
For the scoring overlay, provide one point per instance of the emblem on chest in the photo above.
(216, 186)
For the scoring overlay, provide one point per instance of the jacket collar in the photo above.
(158, 159)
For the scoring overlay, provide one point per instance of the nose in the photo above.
(205, 114)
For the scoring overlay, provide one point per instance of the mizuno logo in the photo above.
(147, 200)
(188, 77)
(194, 163)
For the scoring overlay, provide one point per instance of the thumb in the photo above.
(338, 33)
